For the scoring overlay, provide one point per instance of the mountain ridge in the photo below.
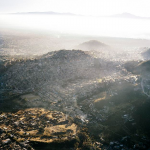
(128, 15)
(47, 13)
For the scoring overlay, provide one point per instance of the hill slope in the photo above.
(92, 45)
(103, 96)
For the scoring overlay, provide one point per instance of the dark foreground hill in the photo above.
(142, 68)
(106, 102)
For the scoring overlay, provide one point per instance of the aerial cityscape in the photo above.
(73, 79)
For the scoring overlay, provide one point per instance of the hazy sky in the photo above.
(84, 7)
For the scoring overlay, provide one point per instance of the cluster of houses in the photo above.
(17, 130)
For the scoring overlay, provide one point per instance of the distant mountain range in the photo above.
(48, 13)
(128, 15)
(123, 15)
